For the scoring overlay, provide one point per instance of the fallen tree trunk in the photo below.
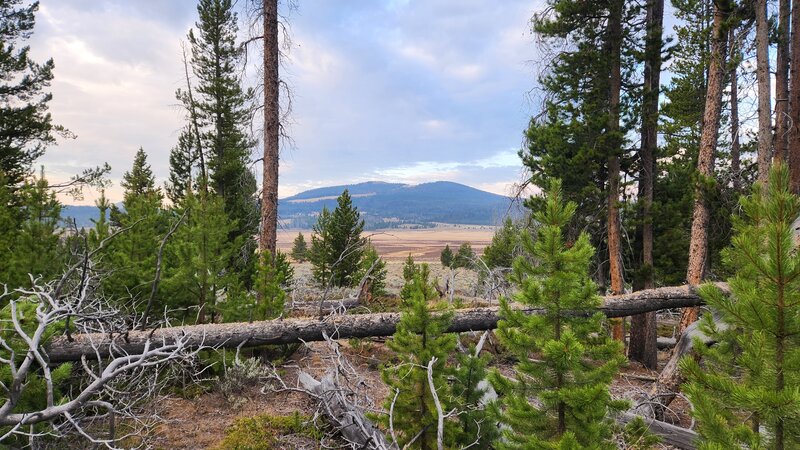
(675, 436)
(287, 331)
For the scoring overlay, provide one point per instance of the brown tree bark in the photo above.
(793, 148)
(614, 44)
(782, 83)
(735, 143)
(293, 330)
(644, 339)
(269, 191)
(698, 246)
(764, 91)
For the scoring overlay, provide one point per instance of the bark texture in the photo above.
(782, 83)
(698, 246)
(614, 43)
(764, 92)
(286, 331)
(736, 152)
(794, 101)
(269, 189)
(643, 340)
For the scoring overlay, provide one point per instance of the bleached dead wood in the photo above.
(670, 434)
(286, 331)
(343, 416)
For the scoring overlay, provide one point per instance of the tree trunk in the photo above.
(736, 170)
(782, 83)
(269, 190)
(614, 36)
(764, 92)
(643, 340)
(698, 246)
(287, 331)
(794, 101)
(669, 381)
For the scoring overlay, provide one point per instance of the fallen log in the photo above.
(287, 331)
(675, 436)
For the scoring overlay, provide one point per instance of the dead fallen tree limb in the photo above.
(287, 331)
(345, 417)
(675, 436)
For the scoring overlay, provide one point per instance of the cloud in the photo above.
(401, 89)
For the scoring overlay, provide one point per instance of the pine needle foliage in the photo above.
(746, 389)
(420, 336)
(559, 397)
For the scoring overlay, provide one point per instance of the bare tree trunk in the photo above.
(794, 101)
(698, 246)
(644, 336)
(782, 83)
(269, 190)
(735, 144)
(614, 33)
(764, 92)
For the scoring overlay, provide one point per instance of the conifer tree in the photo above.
(132, 255)
(222, 109)
(465, 257)
(199, 254)
(372, 262)
(501, 252)
(346, 243)
(566, 361)
(475, 424)
(181, 162)
(446, 257)
(753, 370)
(420, 338)
(409, 269)
(273, 281)
(299, 248)
(320, 253)
(26, 127)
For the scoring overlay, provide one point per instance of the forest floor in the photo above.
(203, 420)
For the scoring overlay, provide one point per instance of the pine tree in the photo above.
(26, 127)
(465, 257)
(299, 248)
(566, 361)
(372, 262)
(753, 370)
(446, 257)
(475, 424)
(223, 109)
(274, 280)
(181, 162)
(337, 245)
(420, 338)
(132, 254)
(346, 243)
(320, 252)
(502, 250)
(198, 256)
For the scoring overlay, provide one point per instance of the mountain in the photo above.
(83, 215)
(390, 205)
(382, 205)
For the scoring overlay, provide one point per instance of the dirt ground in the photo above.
(202, 422)
(425, 245)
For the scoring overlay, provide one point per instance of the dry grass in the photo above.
(424, 245)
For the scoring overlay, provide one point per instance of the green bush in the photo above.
(263, 432)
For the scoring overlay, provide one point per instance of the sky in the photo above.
(390, 90)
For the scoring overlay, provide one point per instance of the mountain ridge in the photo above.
(382, 205)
